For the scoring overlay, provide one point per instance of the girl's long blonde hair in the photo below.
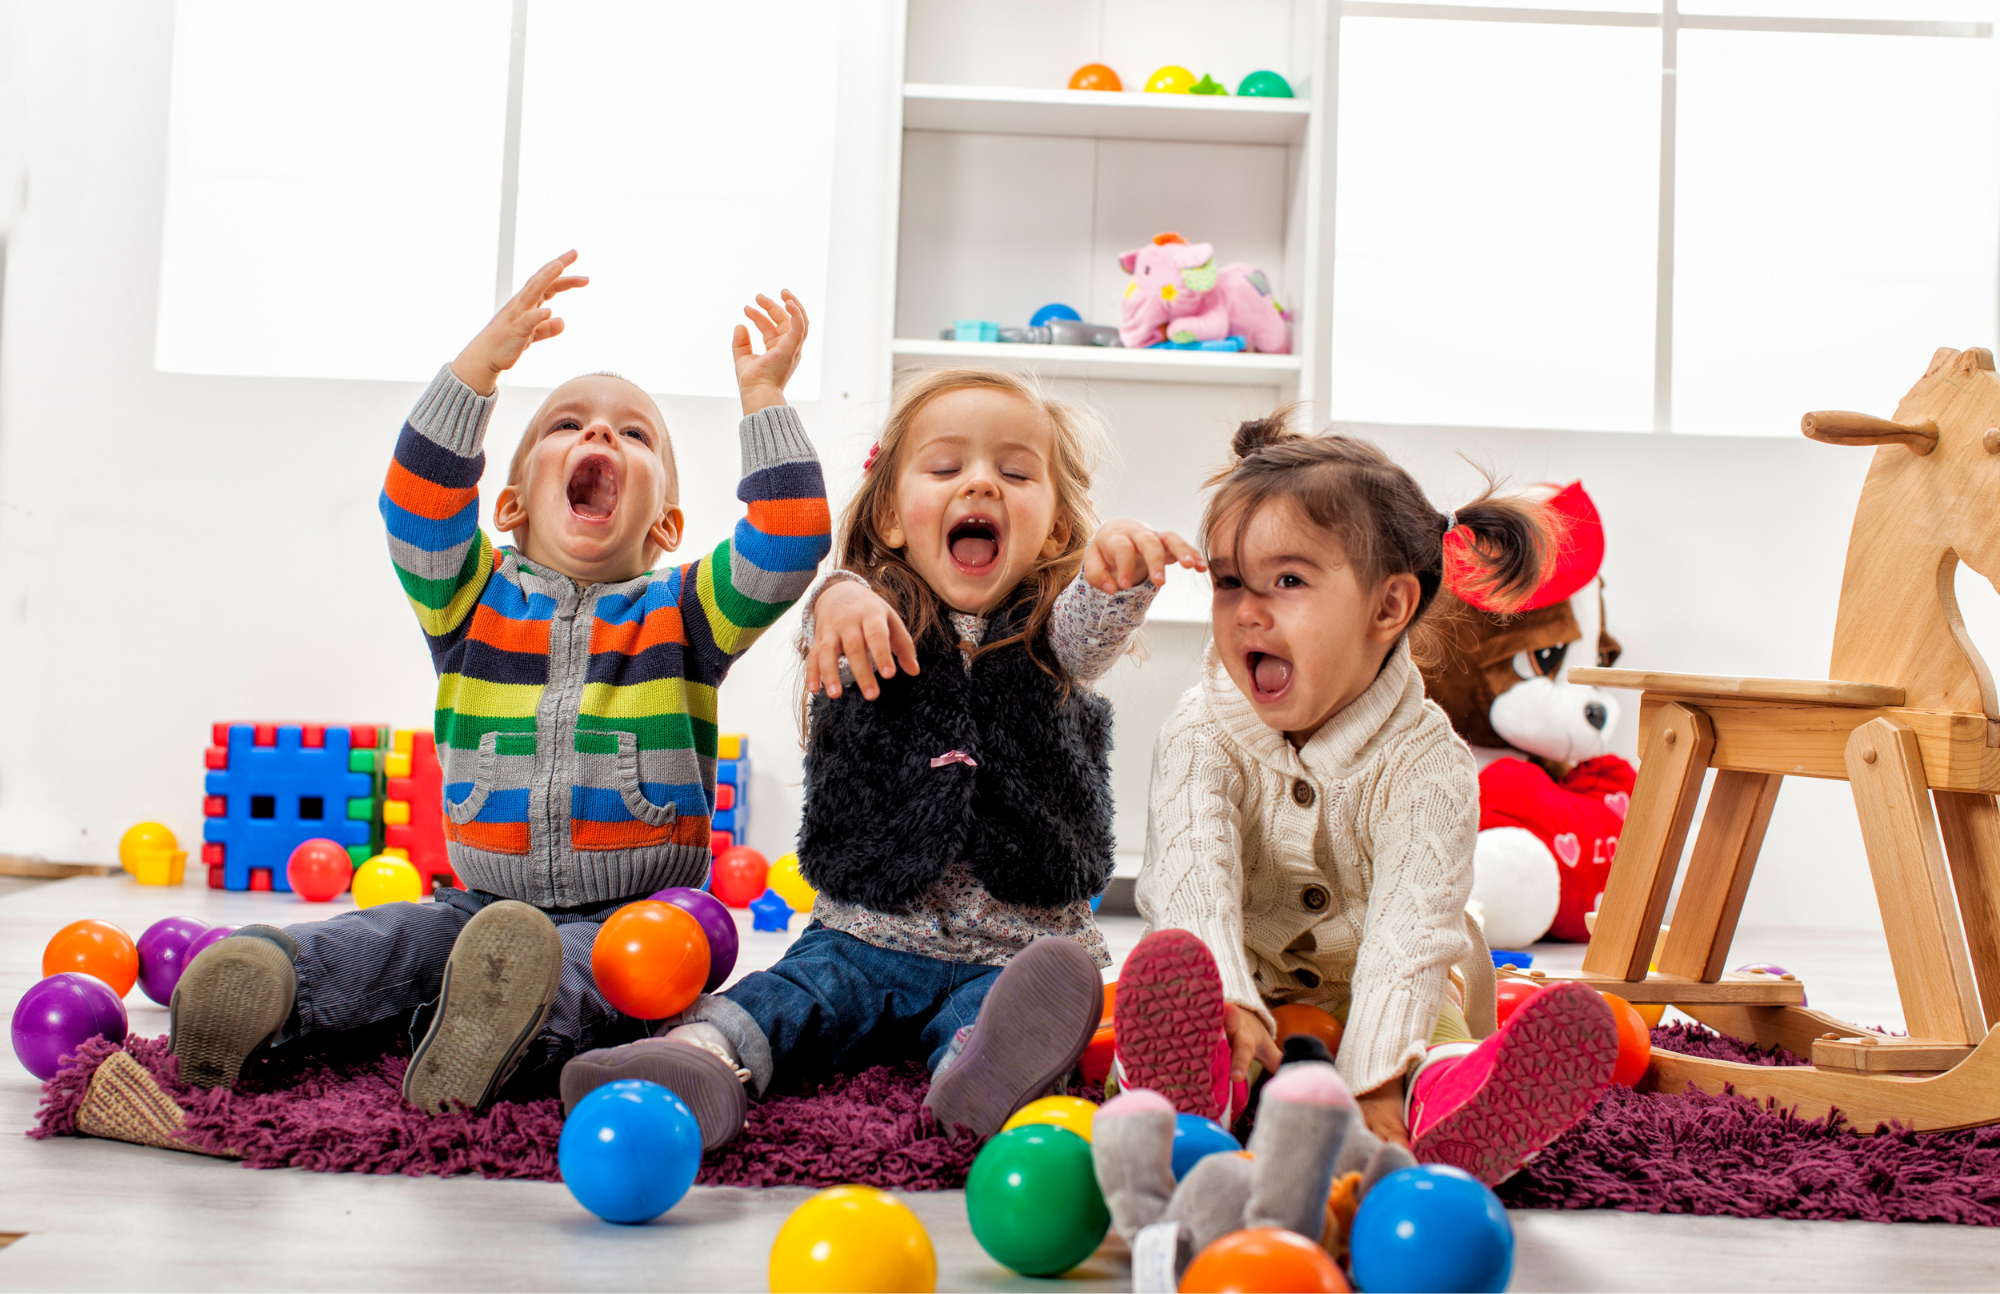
(858, 546)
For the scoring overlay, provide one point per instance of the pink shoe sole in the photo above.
(1548, 1070)
(1168, 1020)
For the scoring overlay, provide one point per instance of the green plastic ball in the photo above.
(1033, 1200)
(1268, 85)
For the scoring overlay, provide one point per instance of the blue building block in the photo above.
(723, 820)
(277, 797)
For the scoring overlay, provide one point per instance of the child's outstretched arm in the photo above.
(1124, 567)
(732, 594)
(430, 502)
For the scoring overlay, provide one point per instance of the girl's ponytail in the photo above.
(1499, 551)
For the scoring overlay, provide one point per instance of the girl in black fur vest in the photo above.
(957, 789)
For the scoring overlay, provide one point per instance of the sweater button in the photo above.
(1302, 793)
(1315, 898)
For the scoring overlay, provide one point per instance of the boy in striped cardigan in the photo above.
(576, 714)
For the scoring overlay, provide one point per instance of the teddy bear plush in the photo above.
(1552, 796)
(1178, 294)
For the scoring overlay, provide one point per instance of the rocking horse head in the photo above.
(1929, 503)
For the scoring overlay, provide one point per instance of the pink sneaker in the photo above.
(1168, 1020)
(1493, 1109)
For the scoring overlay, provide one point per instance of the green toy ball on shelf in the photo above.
(1208, 85)
(1264, 85)
(1033, 1200)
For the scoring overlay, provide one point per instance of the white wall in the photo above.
(178, 550)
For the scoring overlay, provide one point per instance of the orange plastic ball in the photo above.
(95, 948)
(650, 959)
(1296, 1017)
(1263, 1259)
(1635, 1042)
(738, 876)
(1508, 995)
(1096, 1059)
(1110, 1003)
(1095, 76)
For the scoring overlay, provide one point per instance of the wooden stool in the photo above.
(1918, 739)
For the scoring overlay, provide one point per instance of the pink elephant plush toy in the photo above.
(1178, 294)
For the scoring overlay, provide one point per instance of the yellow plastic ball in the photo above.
(853, 1238)
(146, 840)
(1070, 1112)
(1650, 1012)
(386, 878)
(1171, 79)
(784, 877)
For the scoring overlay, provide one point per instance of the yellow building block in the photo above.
(729, 745)
(396, 813)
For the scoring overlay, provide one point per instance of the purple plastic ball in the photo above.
(163, 954)
(716, 923)
(59, 1015)
(206, 939)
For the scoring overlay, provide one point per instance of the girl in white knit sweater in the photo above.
(1312, 821)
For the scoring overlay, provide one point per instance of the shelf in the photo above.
(1186, 599)
(1105, 363)
(1100, 114)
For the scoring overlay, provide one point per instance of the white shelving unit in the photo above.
(1097, 114)
(1106, 363)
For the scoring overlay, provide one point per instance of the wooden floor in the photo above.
(102, 1215)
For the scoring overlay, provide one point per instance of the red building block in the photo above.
(419, 788)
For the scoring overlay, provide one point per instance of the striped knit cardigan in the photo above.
(577, 725)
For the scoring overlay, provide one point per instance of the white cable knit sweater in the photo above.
(1337, 873)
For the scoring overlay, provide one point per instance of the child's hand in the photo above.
(1124, 552)
(520, 323)
(762, 378)
(854, 621)
(1248, 1040)
(1382, 1111)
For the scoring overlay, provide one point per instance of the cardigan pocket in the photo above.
(633, 791)
(493, 815)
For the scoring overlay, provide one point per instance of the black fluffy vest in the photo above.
(1031, 814)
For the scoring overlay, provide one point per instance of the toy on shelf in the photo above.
(1264, 85)
(1051, 312)
(270, 788)
(1903, 718)
(650, 959)
(769, 911)
(738, 876)
(1432, 1228)
(94, 948)
(853, 1238)
(1033, 1201)
(1171, 79)
(1095, 76)
(386, 878)
(1196, 1138)
(1552, 796)
(150, 852)
(629, 1151)
(1208, 85)
(1266, 1258)
(1179, 294)
(730, 822)
(413, 808)
(163, 954)
(319, 870)
(1070, 1112)
(61, 1013)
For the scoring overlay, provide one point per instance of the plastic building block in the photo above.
(719, 841)
(725, 797)
(732, 746)
(413, 812)
(269, 796)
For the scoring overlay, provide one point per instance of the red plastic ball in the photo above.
(1263, 1258)
(1097, 1056)
(1635, 1041)
(319, 871)
(94, 948)
(650, 959)
(737, 876)
(1508, 995)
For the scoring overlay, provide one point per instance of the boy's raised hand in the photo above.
(1124, 552)
(852, 620)
(762, 378)
(519, 324)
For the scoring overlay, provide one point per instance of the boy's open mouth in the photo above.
(975, 545)
(593, 489)
(1270, 675)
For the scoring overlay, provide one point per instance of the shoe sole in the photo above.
(230, 1002)
(499, 985)
(702, 1079)
(1169, 1018)
(1030, 1032)
(1548, 1072)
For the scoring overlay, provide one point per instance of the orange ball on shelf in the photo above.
(94, 948)
(1635, 1041)
(1095, 76)
(650, 959)
(1263, 1258)
(1296, 1017)
(738, 876)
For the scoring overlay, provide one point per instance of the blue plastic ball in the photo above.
(629, 1151)
(1196, 1138)
(1432, 1228)
(1053, 310)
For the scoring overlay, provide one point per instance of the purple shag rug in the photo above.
(1637, 1151)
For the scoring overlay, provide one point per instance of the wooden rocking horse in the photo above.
(1911, 722)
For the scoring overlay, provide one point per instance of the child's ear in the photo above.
(510, 509)
(1395, 607)
(890, 527)
(1058, 539)
(665, 533)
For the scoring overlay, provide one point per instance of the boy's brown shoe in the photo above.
(230, 1001)
(499, 985)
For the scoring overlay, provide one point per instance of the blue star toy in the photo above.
(770, 912)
